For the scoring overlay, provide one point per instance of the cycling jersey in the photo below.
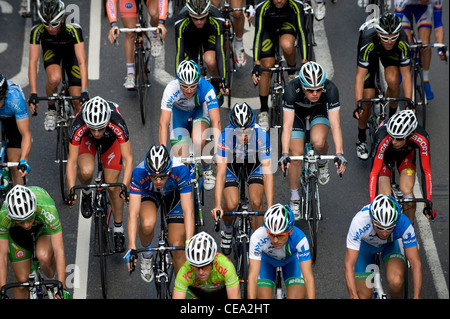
(115, 130)
(223, 275)
(425, 14)
(189, 38)
(296, 101)
(128, 9)
(46, 219)
(187, 111)
(15, 106)
(270, 21)
(385, 153)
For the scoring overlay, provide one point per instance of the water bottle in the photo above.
(5, 176)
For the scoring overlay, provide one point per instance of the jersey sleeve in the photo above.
(111, 10)
(421, 139)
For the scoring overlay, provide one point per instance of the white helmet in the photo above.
(384, 210)
(312, 74)
(201, 249)
(279, 219)
(96, 113)
(187, 72)
(20, 203)
(402, 124)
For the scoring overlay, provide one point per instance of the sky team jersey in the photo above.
(46, 215)
(15, 105)
(361, 229)
(259, 144)
(223, 274)
(297, 244)
(179, 178)
(205, 97)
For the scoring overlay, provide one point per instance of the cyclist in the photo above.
(238, 21)
(206, 274)
(25, 210)
(200, 25)
(61, 42)
(426, 13)
(275, 18)
(159, 180)
(380, 40)
(378, 228)
(311, 93)
(279, 243)
(100, 123)
(188, 107)
(16, 126)
(157, 10)
(242, 145)
(397, 141)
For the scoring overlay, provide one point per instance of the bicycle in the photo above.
(242, 229)
(198, 194)
(380, 110)
(162, 263)
(142, 57)
(310, 202)
(309, 30)
(104, 241)
(65, 115)
(38, 287)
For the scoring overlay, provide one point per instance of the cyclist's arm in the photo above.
(335, 123)
(134, 207)
(58, 249)
(288, 123)
(214, 115)
(307, 273)
(23, 125)
(359, 83)
(406, 81)
(178, 294)
(412, 254)
(71, 169)
(188, 213)
(32, 69)
(82, 63)
(351, 256)
(4, 246)
(221, 170)
(268, 180)
(253, 273)
(234, 292)
(164, 121)
(127, 158)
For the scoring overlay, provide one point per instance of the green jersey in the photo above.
(223, 274)
(46, 215)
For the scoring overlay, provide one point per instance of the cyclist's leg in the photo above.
(20, 257)
(287, 44)
(53, 71)
(363, 270)
(266, 279)
(392, 74)
(407, 172)
(86, 162)
(395, 269)
(293, 279)
(146, 230)
(45, 255)
(180, 132)
(296, 148)
(384, 181)
(70, 65)
(176, 227)
(128, 15)
(256, 192)
(14, 147)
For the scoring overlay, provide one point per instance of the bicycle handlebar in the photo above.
(50, 283)
(194, 159)
(235, 213)
(123, 191)
(9, 164)
(382, 99)
(58, 98)
(315, 156)
(281, 68)
(155, 248)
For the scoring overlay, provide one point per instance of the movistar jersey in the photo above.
(46, 215)
(15, 105)
(223, 275)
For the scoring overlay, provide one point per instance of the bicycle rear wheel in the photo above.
(313, 216)
(62, 152)
(419, 96)
(275, 119)
(101, 236)
(229, 58)
(142, 82)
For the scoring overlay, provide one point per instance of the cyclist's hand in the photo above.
(284, 161)
(357, 113)
(33, 101)
(113, 33)
(130, 259)
(340, 162)
(223, 88)
(429, 212)
(71, 199)
(256, 73)
(442, 52)
(124, 194)
(250, 12)
(84, 96)
(162, 31)
(217, 211)
(24, 167)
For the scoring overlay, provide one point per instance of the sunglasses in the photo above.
(187, 86)
(279, 236)
(247, 131)
(204, 268)
(312, 90)
(23, 222)
(391, 38)
(159, 176)
(198, 18)
(53, 25)
(388, 229)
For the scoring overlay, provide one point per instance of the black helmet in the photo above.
(242, 116)
(198, 7)
(51, 12)
(388, 23)
(158, 160)
(3, 86)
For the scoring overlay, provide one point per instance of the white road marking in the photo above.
(21, 78)
(95, 30)
(82, 257)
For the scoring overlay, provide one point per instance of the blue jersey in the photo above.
(179, 179)
(361, 229)
(15, 105)
(258, 144)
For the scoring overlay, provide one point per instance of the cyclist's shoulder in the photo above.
(42, 196)
(223, 266)
(421, 137)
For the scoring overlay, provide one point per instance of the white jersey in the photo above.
(361, 229)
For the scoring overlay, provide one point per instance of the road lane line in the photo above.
(21, 78)
(429, 246)
(322, 50)
(82, 256)
(95, 30)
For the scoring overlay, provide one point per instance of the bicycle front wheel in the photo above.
(100, 236)
(62, 152)
(243, 269)
(229, 58)
(142, 82)
(313, 216)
